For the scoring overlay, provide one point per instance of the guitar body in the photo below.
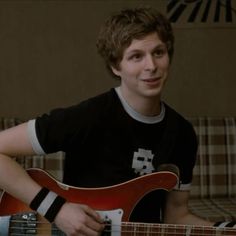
(114, 203)
(124, 196)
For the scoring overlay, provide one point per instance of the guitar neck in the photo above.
(33, 224)
(132, 228)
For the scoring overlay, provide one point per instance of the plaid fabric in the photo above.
(8, 122)
(214, 181)
(214, 209)
(52, 163)
(215, 170)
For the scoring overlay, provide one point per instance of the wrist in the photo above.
(47, 203)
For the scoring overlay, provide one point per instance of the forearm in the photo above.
(177, 212)
(15, 180)
(189, 219)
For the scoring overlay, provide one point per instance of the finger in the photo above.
(92, 213)
(89, 230)
(94, 225)
(94, 220)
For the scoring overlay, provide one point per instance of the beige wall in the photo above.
(48, 59)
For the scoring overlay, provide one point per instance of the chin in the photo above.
(152, 93)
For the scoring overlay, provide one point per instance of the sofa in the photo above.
(214, 181)
(213, 194)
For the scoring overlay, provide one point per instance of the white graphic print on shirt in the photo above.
(142, 162)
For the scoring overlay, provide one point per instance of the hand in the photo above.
(76, 219)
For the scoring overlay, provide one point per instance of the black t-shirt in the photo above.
(104, 144)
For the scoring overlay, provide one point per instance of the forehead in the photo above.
(147, 42)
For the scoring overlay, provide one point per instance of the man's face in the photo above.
(144, 67)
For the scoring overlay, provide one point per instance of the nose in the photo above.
(150, 63)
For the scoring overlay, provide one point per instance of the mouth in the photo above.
(151, 80)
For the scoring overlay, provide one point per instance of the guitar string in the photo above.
(139, 225)
(134, 233)
(137, 233)
(140, 228)
(142, 232)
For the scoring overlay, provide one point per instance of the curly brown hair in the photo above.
(121, 28)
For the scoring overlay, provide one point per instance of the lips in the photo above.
(152, 82)
(151, 79)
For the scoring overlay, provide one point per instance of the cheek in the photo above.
(132, 70)
(165, 65)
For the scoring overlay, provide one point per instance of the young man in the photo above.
(103, 137)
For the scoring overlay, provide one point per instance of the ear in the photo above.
(115, 71)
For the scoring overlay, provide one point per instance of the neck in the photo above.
(147, 106)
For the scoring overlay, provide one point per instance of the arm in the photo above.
(177, 212)
(72, 218)
(14, 142)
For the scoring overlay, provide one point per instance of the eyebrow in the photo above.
(140, 50)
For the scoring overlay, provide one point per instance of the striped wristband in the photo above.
(47, 204)
(223, 224)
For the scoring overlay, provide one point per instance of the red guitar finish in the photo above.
(125, 195)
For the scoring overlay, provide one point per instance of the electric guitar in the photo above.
(115, 204)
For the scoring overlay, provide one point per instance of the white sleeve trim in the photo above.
(33, 138)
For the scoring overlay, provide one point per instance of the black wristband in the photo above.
(54, 208)
(217, 223)
(39, 198)
(222, 224)
(47, 204)
(231, 224)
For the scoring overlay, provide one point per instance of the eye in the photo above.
(159, 52)
(135, 57)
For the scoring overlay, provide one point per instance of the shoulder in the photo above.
(182, 129)
(179, 120)
(60, 126)
(99, 103)
(85, 112)
(94, 104)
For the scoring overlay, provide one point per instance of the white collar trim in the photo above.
(137, 116)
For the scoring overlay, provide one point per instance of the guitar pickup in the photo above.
(112, 220)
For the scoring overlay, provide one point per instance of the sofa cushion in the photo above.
(214, 209)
